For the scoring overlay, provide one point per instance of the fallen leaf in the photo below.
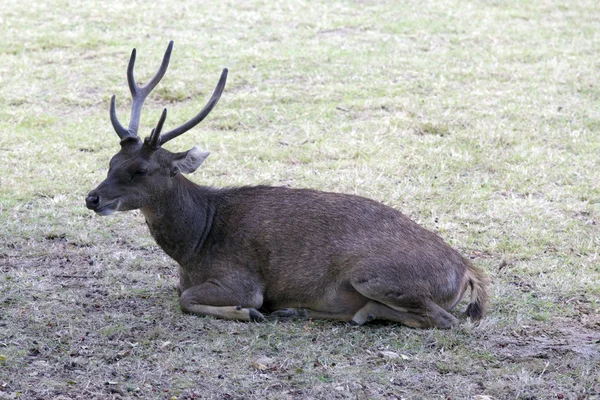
(123, 353)
(388, 354)
(261, 363)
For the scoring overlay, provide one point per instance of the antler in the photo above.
(138, 94)
(214, 99)
(153, 140)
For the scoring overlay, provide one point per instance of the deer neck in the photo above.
(181, 219)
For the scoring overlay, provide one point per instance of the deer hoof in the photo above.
(255, 316)
(361, 321)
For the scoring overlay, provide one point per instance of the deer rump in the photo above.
(297, 252)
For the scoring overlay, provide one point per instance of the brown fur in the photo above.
(298, 253)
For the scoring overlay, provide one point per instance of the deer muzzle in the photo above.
(92, 202)
(96, 204)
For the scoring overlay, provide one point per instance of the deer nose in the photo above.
(92, 202)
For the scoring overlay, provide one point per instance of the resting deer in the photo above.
(297, 253)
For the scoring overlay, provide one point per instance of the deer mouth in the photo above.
(107, 209)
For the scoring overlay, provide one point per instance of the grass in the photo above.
(479, 120)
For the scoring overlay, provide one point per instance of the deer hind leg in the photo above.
(400, 304)
(213, 299)
(431, 316)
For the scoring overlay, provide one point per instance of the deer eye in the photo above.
(138, 173)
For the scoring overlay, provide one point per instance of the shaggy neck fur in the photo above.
(181, 219)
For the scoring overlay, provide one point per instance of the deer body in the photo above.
(278, 248)
(297, 253)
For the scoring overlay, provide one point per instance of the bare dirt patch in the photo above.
(74, 325)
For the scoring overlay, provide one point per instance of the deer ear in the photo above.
(188, 161)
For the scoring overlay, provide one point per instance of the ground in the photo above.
(479, 120)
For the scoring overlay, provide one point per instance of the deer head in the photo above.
(142, 170)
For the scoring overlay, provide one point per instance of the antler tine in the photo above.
(130, 77)
(201, 115)
(152, 141)
(139, 93)
(120, 129)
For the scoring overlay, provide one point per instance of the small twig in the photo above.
(544, 370)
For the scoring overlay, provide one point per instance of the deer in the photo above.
(285, 252)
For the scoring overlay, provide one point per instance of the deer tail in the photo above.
(480, 285)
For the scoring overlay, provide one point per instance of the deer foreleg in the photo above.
(217, 301)
(307, 313)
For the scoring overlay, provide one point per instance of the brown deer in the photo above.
(297, 253)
